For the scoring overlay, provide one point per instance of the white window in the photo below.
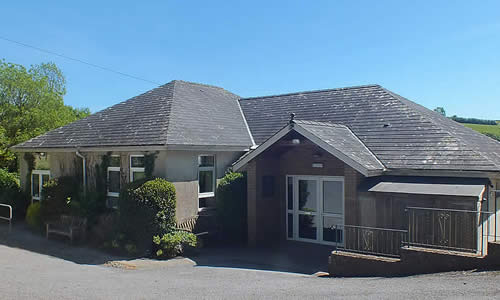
(113, 181)
(137, 167)
(38, 179)
(206, 177)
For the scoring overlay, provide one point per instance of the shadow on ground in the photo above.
(292, 257)
(23, 238)
(295, 257)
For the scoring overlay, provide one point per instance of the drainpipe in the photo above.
(84, 163)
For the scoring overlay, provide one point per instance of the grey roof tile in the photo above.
(401, 134)
(179, 112)
(344, 140)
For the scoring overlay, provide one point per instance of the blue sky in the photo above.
(436, 54)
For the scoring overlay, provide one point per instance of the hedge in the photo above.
(146, 209)
(11, 193)
(231, 202)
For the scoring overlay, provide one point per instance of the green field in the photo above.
(490, 130)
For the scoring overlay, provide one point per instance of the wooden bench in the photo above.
(67, 226)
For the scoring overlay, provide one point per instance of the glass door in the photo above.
(307, 208)
(332, 211)
(315, 209)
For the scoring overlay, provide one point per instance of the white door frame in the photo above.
(319, 214)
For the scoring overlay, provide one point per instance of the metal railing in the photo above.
(371, 240)
(449, 229)
(9, 218)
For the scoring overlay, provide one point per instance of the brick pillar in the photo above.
(252, 202)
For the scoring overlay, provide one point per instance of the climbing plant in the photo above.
(149, 164)
(101, 176)
(30, 163)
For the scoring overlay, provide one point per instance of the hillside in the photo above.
(489, 130)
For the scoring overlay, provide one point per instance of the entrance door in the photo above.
(315, 206)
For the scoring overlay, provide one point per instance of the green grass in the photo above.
(492, 131)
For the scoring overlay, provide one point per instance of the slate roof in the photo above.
(344, 140)
(400, 133)
(177, 113)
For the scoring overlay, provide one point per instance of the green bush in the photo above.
(59, 197)
(11, 193)
(147, 208)
(174, 243)
(231, 202)
(34, 216)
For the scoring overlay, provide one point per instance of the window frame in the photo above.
(112, 169)
(40, 174)
(214, 179)
(135, 169)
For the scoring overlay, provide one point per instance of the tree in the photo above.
(31, 103)
(440, 110)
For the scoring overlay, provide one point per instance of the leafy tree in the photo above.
(440, 110)
(31, 103)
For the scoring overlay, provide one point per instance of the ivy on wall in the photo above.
(101, 175)
(149, 164)
(30, 163)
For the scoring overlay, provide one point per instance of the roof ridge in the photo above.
(313, 91)
(404, 101)
(320, 123)
(204, 85)
(169, 106)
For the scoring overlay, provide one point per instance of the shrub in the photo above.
(34, 216)
(231, 202)
(11, 194)
(59, 197)
(147, 208)
(174, 243)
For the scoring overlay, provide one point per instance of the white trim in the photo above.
(134, 169)
(40, 174)
(270, 141)
(214, 178)
(313, 138)
(246, 124)
(319, 213)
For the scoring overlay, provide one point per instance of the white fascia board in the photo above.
(261, 148)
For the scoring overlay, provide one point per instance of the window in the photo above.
(38, 179)
(113, 181)
(206, 176)
(137, 167)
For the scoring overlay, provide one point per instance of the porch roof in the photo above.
(447, 186)
(336, 139)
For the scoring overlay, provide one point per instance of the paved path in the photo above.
(30, 273)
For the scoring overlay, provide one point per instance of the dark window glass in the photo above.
(138, 175)
(206, 179)
(290, 193)
(114, 181)
(307, 227)
(35, 182)
(290, 225)
(206, 161)
(115, 161)
(137, 162)
(307, 195)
